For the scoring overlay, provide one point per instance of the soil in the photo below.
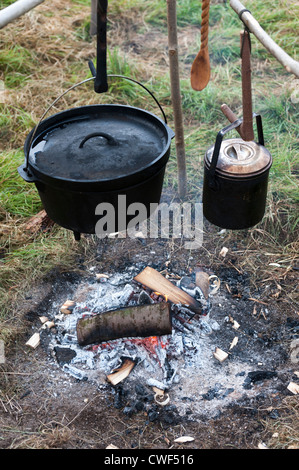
(50, 408)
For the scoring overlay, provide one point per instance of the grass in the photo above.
(46, 51)
(30, 88)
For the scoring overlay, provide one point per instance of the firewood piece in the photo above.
(68, 307)
(202, 280)
(152, 279)
(234, 342)
(220, 355)
(43, 319)
(121, 372)
(135, 321)
(223, 252)
(40, 221)
(34, 341)
(48, 324)
(101, 276)
(293, 387)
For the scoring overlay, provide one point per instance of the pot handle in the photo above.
(108, 137)
(25, 168)
(219, 138)
(100, 83)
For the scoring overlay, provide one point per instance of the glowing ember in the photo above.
(151, 344)
(162, 295)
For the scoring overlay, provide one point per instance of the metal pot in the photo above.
(90, 155)
(235, 180)
(236, 170)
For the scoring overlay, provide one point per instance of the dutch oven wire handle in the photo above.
(26, 167)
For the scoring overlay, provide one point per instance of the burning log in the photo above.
(152, 279)
(140, 320)
(220, 355)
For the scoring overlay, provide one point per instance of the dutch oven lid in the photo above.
(240, 158)
(98, 143)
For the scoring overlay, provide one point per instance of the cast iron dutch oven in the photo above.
(85, 156)
(91, 155)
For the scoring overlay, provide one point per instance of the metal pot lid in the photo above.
(240, 158)
(99, 143)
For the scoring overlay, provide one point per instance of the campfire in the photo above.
(115, 325)
(156, 341)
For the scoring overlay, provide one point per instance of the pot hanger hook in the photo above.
(246, 30)
(100, 84)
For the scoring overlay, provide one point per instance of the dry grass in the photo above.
(283, 433)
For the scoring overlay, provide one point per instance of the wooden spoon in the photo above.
(200, 70)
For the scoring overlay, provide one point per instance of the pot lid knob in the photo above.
(239, 151)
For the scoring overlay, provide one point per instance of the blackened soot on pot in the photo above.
(98, 150)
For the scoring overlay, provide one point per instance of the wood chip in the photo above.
(293, 387)
(48, 324)
(234, 342)
(67, 307)
(43, 319)
(261, 445)
(183, 439)
(236, 325)
(34, 341)
(38, 222)
(220, 355)
(203, 282)
(112, 446)
(158, 391)
(101, 276)
(121, 372)
(223, 252)
(158, 399)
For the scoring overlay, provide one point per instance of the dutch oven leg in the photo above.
(77, 236)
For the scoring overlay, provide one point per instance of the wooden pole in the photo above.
(176, 96)
(16, 9)
(289, 64)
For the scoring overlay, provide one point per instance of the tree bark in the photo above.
(176, 96)
(136, 321)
